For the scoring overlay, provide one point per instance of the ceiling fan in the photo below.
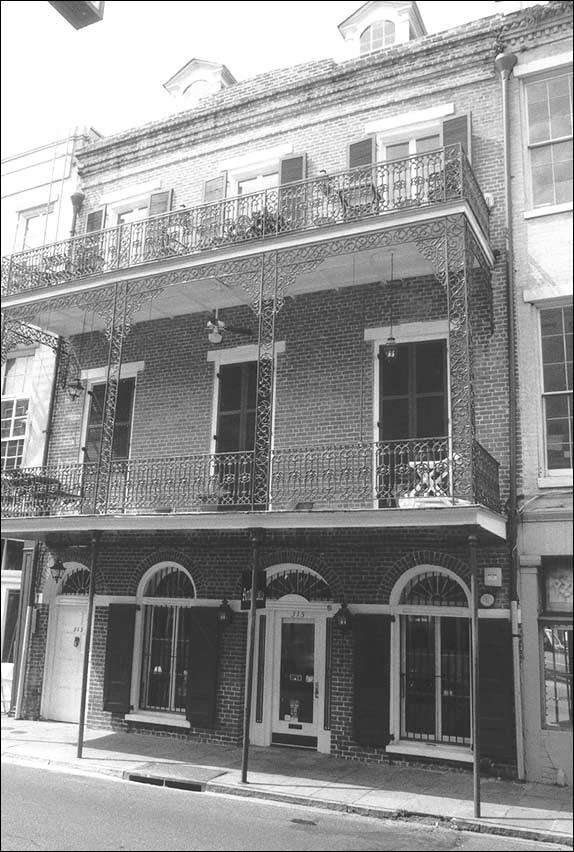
(216, 328)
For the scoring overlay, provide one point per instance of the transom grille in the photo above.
(433, 589)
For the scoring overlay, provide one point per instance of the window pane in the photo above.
(429, 143)
(554, 377)
(551, 321)
(395, 381)
(395, 423)
(430, 417)
(429, 366)
(553, 349)
(557, 644)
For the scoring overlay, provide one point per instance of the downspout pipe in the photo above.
(504, 64)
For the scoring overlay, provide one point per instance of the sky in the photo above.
(110, 75)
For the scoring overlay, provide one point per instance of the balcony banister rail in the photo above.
(417, 181)
(409, 473)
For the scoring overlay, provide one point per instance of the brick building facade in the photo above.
(286, 334)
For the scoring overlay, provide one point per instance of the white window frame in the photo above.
(421, 748)
(24, 395)
(24, 217)
(386, 39)
(549, 476)
(97, 376)
(532, 73)
(167, 718)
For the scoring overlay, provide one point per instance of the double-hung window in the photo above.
(15, 404)
(549, 113)
(556, 343)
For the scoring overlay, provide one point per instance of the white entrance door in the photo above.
(64, 686)
(298, 674)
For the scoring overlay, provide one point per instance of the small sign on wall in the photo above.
(493, 576)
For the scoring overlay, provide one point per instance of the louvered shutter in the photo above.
(362, 153)
(160, 202)
(119, 655)
(202, 670)
(292, 168)
(215, 188)
(458, 130)
(496, 692)
(95, 220)
(372, 636)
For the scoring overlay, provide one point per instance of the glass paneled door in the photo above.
(296, 685)
(435, 679)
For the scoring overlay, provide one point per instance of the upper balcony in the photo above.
(417, 184)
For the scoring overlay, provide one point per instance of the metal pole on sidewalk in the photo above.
(475, 674)
(83, 699)
(256, 538)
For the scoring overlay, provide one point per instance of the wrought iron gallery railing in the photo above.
(421, 180)
(394, 474)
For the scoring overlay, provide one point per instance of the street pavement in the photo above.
(512, 808)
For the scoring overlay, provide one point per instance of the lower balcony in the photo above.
(409, 474)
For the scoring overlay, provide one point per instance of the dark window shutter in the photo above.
(160, 202)
(202, 678)
(292, 168)
(215, 188)
(372, 635)
(119, 655)
(457, 130)
(95, 220)
(362, 153)
(496, 694)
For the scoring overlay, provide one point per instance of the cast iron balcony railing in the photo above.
(419, 181)
(392, 474)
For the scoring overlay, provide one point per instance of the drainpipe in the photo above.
(31, 590)
(504, 63)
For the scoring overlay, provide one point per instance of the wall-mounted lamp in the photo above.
(224, 613)
(75, 388)
(57, 570)
(343, 617)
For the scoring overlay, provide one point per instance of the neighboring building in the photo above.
(540, 96)
(36, 211)
(290, 333)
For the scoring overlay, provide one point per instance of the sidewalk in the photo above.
(526, 811)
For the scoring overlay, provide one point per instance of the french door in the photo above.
(435, 679)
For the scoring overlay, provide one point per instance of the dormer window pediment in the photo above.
(381, 24)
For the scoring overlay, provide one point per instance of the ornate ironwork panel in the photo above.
(413, 473)
(116, 331)
(459, 350)
(295, 581)
(419, 181)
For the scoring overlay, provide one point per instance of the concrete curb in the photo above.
(220, 787)
(455, 823)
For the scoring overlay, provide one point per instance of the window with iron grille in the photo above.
(166, 641)
(556, 641)
(549, 115)
(556, 342)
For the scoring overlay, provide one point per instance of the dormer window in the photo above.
(376, 36)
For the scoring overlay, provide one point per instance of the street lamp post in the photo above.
(83, 699)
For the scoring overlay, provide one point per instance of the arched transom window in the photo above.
(433, 588)
(297, 580)
(376, 36)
